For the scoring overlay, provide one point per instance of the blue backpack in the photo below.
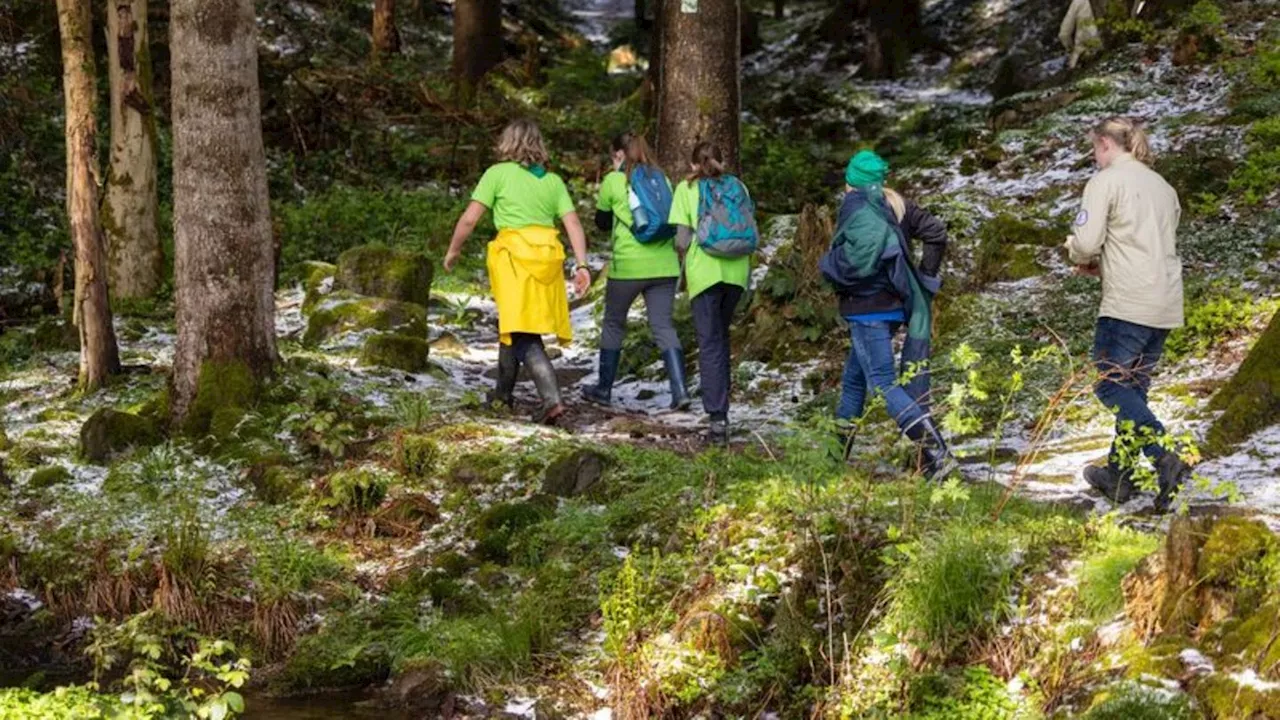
(726, 218)
(649, 198)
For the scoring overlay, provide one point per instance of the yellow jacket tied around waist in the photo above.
(526, 276)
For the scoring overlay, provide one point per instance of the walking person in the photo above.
(715, 225)
(1126, 234)
(644, 262)
(526, 260)
(880, 291)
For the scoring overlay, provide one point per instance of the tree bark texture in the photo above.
(700, 94)
(477, 40)
(779, 9)
(129, 216)
(386, 38)
(893, 34)
(223, 258)
(99, 355)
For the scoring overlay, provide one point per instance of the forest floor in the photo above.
(685, 574)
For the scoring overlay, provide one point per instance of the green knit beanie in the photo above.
(866, 169)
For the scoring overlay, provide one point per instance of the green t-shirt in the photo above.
(700, 269)
(632, 259)
(520, 199)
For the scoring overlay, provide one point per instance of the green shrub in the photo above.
(1214, 318)
(341, 218)
(1114, 553)
(1259, 176)
(978, 695)
(953, 587)
(782, 174)
(418, 456)
(356, 491)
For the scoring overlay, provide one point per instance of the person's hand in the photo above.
(581, 281)
(1067, 243)
(1088, 271)
(451, 259)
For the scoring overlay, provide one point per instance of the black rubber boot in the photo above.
(1114, 486)
(1173, 474)
(718, 432)
(508, 370)
(544, 378)
(602, 392)
(674, 360)
(936, 462)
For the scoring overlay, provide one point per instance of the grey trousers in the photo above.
(659, 302)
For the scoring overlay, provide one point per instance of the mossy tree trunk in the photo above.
(99, 355)
(129, 215)
(386, 37)
(700, 92)
(893, 33)
(223, 258)
(1251, 400)
(477, 41)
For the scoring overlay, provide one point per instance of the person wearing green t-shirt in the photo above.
(716, 284)
(651, 269)
(526, 260)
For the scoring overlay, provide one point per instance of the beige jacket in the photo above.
(1130, 219)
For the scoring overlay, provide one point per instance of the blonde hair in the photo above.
(896, 202)
(521, 142)
(1128, 134)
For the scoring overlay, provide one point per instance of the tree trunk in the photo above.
(893, 33)
(1251, 400)
(129, 216)
(223, 259)
(642, 16)
(779, 9)
(386, 38)
(700, 93)
(477, 40)
(99, 355)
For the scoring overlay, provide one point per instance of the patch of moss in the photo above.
(478, 468)
(498, 526)
(345, 312)
(1007, 249)
(1253, 637)
(393, 350)
(1131, 701)
(1233, 546)
(417, 456)
(54, 335)
(357, 490)
(223, 388)
(1251, 400)
(48, 476)
(1224, 697)
(274, 482)
(384, 272)
(1159, 659)
(108, 432)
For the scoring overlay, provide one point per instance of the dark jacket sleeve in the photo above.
(919, 224)
(604, 220)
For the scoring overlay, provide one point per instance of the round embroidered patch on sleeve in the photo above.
(1082, 218)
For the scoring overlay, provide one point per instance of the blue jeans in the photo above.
(870, 365)
(1125, 354)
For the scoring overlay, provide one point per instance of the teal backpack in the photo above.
(726, 218)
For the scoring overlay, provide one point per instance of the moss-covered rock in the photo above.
(48, 476)
(394, 350)
(498, 526)
(318, 280)
(1253, 637)
(385, 272)
(1251, 400)
(274, 482)
(108, 432)
(224, 391)
(344, 312)
(1237, 696)
(574, 474)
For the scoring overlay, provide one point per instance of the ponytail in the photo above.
(635, 149)
(710, 162)
(1129, 135)
(896, 203)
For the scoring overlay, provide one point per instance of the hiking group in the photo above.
(703, 230)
